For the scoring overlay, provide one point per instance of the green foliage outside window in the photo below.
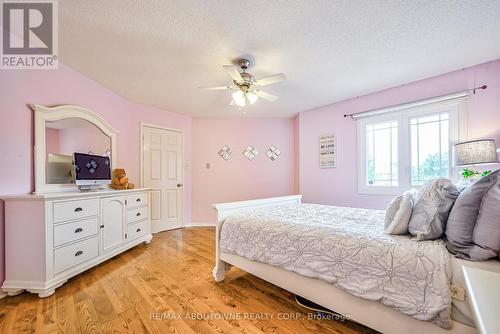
(435, 165)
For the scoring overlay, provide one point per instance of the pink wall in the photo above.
(52, 141)
(67, 86)
(83, 140)
(2, 242)
(238, 178)
(338, 186)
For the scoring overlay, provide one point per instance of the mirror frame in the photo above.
(44, 114)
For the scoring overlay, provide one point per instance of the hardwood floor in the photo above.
(165, 287)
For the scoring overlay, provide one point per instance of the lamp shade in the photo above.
(476, 152)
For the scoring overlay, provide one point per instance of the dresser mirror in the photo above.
(65, 137)
(59, 133)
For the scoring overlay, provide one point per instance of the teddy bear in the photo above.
(120, 182)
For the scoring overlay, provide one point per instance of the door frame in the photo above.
(141, 164)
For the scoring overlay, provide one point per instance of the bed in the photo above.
(350, 266)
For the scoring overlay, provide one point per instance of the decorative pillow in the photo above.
(432, 208)
(463, 216)
(486, 236)
(462, 185)
(398, 213)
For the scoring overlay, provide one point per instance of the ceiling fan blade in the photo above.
(266, 96)
(233, 73)
(218, 88)
(271, 79)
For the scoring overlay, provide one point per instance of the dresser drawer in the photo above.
(75, 209)
(136, 200)
(74, 254)
(135, 215)
(74, 231)
(137, 230)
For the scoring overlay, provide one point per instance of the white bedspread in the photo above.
(347, 247)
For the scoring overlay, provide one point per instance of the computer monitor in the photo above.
(91, 170)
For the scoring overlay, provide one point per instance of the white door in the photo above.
(163, 173)
(113, 222)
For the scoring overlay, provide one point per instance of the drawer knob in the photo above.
(138, 200)
(78, 253)
(78, 230)
(78, 209)
(138, 230)
(138, 214)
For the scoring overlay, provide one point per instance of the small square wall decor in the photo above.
(225, 152)
(327, 151)
(273, 153)
(250, 153)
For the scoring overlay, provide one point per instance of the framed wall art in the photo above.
(327, 151)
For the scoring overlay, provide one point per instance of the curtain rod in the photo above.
(416, 103)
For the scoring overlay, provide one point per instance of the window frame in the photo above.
(457, 131)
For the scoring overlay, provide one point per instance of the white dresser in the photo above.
(52, 237)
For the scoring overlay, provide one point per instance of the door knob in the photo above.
(179, 185)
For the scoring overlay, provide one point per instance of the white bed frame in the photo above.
(369, 313)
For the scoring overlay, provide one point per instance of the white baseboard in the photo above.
(3, 294)
(200, 224)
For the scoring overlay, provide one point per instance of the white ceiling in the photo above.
(158, 52)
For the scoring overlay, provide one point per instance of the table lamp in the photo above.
(475, 152)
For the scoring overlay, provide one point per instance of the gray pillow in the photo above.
(486, 234)
(463, 216)
(432, 208)
(398, 213)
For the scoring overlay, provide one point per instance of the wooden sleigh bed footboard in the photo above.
(366, 312)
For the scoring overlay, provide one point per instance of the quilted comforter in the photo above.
(348, 248)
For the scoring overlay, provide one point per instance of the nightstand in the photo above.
(483, 287)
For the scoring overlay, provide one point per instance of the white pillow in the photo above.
(432, 208)
(399, 212)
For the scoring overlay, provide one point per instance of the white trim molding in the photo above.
(201, 224)
(44, 114)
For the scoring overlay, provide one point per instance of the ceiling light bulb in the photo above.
(252, 97)
(239, 98)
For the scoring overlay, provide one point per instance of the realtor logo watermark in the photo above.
(29, 34)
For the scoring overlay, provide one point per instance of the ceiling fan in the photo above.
(246, 86)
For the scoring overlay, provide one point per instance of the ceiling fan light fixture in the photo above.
(246, 86)
(239, 98)
(252, 97)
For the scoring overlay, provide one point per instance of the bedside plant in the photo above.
(470, 173)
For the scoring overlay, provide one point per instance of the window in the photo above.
(382, 153)
(405, 149)
(430, 141)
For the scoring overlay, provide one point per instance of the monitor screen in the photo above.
(92, 167)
